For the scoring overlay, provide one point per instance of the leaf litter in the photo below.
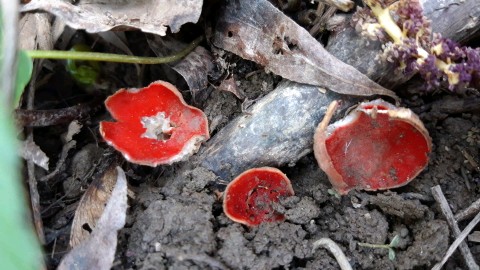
(100, 246)
(94, 16)
(160, 233)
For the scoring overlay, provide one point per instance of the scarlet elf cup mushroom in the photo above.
(154, 125)
(377, 146)
(249, 198)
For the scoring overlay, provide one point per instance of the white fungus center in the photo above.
(158, 127)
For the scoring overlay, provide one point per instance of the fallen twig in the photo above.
(447, 212)
(43, 118)
(468, 212)
(61, 161)
(457, 242)
(335, 250)
(32, 181)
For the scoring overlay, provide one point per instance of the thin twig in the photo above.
(43, 118)
(335, 250)
(110, 57)
(35, 198)
(457, 242)
(447, 212)
(61, 161)
(32, 181)
(468, 212)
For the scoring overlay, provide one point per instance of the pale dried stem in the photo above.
(335, 250)
(469, 212)
(447, 212)
(458, 241)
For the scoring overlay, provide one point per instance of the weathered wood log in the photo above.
(277, 131)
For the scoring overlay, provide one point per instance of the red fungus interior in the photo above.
(377, 153)
(250, 198)
(128, 108)
(369, 107)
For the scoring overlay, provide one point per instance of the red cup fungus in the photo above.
(154, 125)
(249, 198)
(376, 146)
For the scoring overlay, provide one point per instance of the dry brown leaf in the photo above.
(98, 250)
(194, 68)
(73, 129)
(259, 32)
(35, 32)
(91, 206)
(230, 85)
(31, 152)
(152, 16)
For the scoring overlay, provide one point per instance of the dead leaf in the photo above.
(73, 129)
(31, 152)
(343, 5)
(119, 40)
(230, 85)
(98, 250)
(152, 16)
(194, 68)
(259, 32)
(35, 32)
(91, 206)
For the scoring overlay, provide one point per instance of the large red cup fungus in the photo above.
(377, 146)
(249, 198)
(154, 125)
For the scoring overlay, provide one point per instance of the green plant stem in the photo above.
(374, 245)
(110, 57)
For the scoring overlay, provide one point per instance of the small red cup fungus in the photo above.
(376, 146)
(249, 198)
(154, 125)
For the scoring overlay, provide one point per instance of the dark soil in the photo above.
(176, 221)
(186, 228)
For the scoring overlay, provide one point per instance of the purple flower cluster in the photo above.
(437, 60)
(411, 19)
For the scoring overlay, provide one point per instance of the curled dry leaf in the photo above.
(259, 32)
(35, 32)
(30, 151)
(92, 205)
(194, 68)
(73, 129)
(230, 85)
(150, 16)
(98, 250)
(343, 5)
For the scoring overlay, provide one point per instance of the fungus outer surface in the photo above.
(154, 125)
(377, 146)
(249, 198)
